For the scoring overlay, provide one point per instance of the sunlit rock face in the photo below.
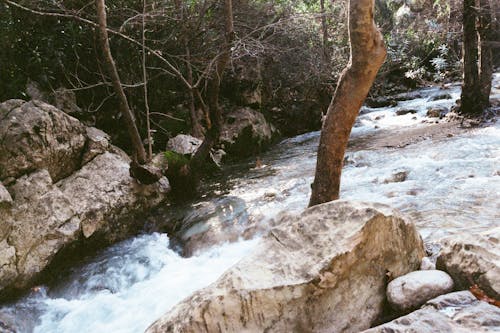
(473, 259)
(36, 135)
(324, 270)
(61, 182)
(456, 312)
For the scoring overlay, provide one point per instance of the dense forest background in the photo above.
(286, 58)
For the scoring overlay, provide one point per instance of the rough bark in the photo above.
(485, 30)
(367, 55)
(471, 96)
(110, 66)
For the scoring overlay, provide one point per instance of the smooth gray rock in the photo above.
(321, 271)
(473, 258)
(458, 312)
(414, 289)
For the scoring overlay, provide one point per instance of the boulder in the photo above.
(65, 185)
(439, 96)
(409, 291)
(246, 132)
(436, 112)
(184, 144)
(458, 312)
(473, 258)
(65, 100)
(380, 102)
(324, 270)
(36, 135)
(47, 216)
(97, 143)
(188, 145)
(402, 112)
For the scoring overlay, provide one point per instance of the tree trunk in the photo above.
(471, 93)
(140, 153)
(367, 55)
(485, 30)
(213, 89)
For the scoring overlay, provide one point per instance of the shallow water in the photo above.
(451, 184)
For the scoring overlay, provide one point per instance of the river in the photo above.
(445, 183)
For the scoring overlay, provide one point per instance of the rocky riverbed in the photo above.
(443, 176)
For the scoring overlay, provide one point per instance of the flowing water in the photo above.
(445, 185)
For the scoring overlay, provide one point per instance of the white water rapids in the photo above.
(451, 184)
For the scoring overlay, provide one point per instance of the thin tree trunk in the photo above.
(471, 95)
(145, 78)
(196, 129)
(213, 89)
(367, 55)
(486, 56)
(140, 153)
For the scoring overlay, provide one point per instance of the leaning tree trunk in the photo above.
(367, 55)
(140, 153)
(471, 92)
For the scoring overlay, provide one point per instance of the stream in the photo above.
(444, 183)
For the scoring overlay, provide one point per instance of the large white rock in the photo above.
(458, 312)
(414, 289)
(63, 182)
(46, 216)
(322, 271)
(473, 258)
(36, 135)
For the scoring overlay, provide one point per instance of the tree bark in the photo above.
(471, 94)
(110, 66)
(366, 57)
(485, 30)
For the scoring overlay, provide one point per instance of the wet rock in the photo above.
(381, 102)
(409, 291)
(439, 96)
(473, 258)
(36, 135)
(52, 200)
(402, 112)
(213, 223)
(246, 132)
(397, 177)
(323, 270)
(457, 312)
(436, 112)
